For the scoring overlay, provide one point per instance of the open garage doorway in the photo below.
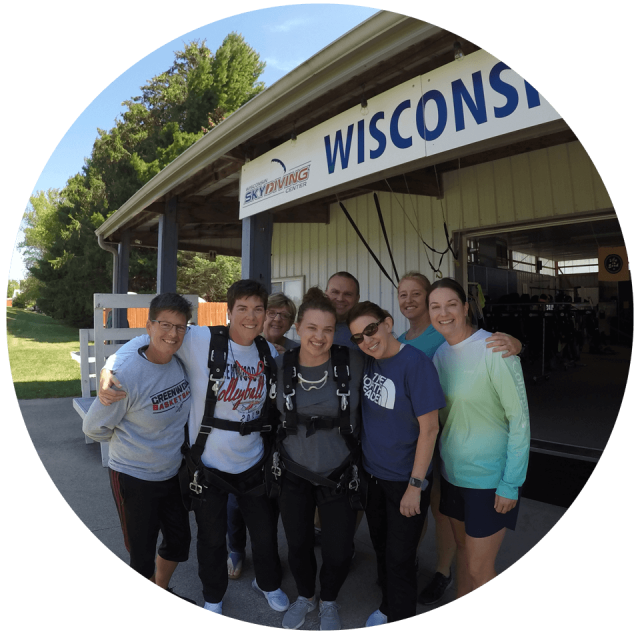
(547, 284)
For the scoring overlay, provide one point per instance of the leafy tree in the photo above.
(208, 279)
(40, 224)
(11, 287)
(30, 291)
(174, 110)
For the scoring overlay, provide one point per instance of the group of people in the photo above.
(344, 419)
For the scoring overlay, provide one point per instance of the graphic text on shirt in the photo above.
(171, 398)
(247, 398)
(380, 390)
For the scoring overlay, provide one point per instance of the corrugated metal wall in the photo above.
(546, 183)
(552, 182)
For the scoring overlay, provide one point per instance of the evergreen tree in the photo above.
(174, 110)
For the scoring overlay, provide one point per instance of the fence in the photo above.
(209, 315)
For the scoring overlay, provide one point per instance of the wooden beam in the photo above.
(168, 249)
(308, 213)
(257, 232)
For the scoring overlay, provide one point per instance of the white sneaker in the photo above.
(277, 599)
(377, 618)
(297, 613)
(216, 608)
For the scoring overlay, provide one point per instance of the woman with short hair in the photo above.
(400, 401)
(281, 312)
(413, 289)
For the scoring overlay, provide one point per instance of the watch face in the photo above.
(613, 263)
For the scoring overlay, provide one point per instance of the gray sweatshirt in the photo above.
(145, 430)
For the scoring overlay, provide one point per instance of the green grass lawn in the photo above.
(39, 349)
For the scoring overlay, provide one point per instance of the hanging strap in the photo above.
(384, 232)
(375, 258)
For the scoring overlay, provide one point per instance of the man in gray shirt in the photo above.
(145, 431)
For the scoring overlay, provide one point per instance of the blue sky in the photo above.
(283, 36)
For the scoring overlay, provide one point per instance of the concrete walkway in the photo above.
(76, 470)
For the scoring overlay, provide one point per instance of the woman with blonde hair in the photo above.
(413, 289)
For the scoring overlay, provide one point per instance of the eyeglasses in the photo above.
(369, 330)
(272, 313)
(168, 326)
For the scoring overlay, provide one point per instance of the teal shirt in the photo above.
(485, 438)
(428, 341)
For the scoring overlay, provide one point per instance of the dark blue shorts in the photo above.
(474, 506)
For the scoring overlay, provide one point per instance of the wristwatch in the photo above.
(414, 481)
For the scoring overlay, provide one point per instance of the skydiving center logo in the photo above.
(280, 183)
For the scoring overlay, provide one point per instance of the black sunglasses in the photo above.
(369, 330)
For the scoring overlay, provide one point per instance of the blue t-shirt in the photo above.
(342, 336)
(395, 392)
(428, 341)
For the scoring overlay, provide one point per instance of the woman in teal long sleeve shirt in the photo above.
(485, 439)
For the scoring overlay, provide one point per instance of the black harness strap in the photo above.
(342, 376)
(346, 475)
(386, 238)
(217, 362)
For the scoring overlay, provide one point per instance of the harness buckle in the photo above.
(344, 403)
(273, 391)
(275, 466)
(354, 484)
(287, 399)
(194, 485)
(216, 384)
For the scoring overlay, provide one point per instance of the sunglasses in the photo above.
(369, 330)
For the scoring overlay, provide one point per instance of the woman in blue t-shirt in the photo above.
(413, 289)
(400, 399)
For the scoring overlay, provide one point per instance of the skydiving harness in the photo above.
(199, 475)
(346, 477)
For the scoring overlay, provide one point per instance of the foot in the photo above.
(216, 608)
(435, 590)
(377, 618)
(234, 565)
(297, 613)
(277, 599)
(329, 618)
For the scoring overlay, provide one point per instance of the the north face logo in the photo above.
(380, 390)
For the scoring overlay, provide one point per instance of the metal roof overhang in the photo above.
(378, 54)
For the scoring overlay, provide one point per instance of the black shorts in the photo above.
(145, 508)
(474, 506)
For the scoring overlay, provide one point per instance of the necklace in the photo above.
(313, 384)
(240, 369)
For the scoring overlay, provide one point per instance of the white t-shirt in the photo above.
(240, 398)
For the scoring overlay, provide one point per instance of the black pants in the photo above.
(261, 518)
(298, 501)
(395, 539)
(146, 508)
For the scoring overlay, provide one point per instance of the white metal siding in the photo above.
(551, 182)
(547, 183)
